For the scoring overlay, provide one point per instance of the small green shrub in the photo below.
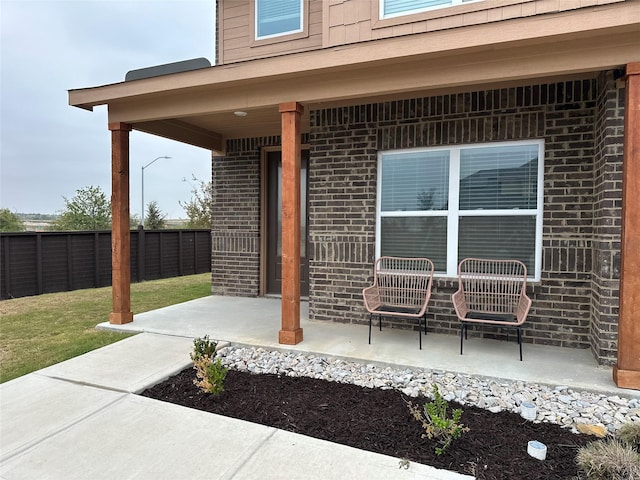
(210, 375)
(436, 422)
(609, 459)
(203, 347)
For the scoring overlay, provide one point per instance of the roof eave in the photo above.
(375, 54)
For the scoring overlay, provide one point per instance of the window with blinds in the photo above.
(277, 17)
(395, 8)
(467, 201)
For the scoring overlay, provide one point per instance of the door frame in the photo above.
(264, 151)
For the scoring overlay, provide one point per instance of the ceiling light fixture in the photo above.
(240, 113)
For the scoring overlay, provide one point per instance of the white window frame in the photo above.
(275, 35)
(453, 3)
(453, 213)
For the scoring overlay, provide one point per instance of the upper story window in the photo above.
(451, 203)
(278, 17)
(395, 8)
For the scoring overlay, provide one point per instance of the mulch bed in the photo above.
(379, 421)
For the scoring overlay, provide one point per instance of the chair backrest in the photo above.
(403, 282)
(492, 286)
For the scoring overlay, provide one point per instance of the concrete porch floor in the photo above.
(256, 322)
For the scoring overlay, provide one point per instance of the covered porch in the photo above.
(273, 97)
(252, 321)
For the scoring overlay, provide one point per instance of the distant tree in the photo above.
(154, 219)
(10, 222)
(89, 209)
(134, 220)
(200, 208)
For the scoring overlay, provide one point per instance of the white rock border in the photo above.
(560, 405)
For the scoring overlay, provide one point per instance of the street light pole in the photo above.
(143, 167)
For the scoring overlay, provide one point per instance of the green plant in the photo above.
(436, 422)
(203, 347)
(10, 222)
(89, 209)
(210, 375)
(609, 459)
(199, 208)
(155, 219)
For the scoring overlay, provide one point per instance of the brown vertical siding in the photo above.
(353, 21)
(332, 23)
(237, 42)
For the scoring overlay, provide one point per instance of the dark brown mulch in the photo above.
(379, 421)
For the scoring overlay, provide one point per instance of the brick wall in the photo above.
(609, 136)
(342, 209)
(574, 304)
(344, 146)
(235, 242)
(236, 236)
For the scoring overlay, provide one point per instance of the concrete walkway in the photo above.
(82, 418)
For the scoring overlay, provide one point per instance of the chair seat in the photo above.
(498, 317)
(399, 310)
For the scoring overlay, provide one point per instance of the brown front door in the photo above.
(274, 223)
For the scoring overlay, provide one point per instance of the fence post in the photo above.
(195, 252)
(69, 263)
(161, 242)
(39, 287)
(96, 259)
(141, 254)
(7, 266)
(180, 253)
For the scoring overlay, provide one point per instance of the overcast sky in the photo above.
(47, 148)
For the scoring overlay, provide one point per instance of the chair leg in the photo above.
(370, 320)
(462, 331)
(425, 323)
(420, 331)
(520, 342)
(380, 322)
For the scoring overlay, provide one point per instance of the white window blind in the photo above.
(278, 17)
(394, 8)
(401, 7)
(466, 201)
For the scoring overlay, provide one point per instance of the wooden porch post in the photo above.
(120, 234)
(291, 333)
(626, 373)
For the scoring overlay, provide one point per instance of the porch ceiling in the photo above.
(197, 107)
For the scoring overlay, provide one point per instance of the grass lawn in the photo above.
(39, 331)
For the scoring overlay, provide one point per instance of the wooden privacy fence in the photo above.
(47, 262)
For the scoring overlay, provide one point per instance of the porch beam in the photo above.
(291, 333)
(120, 235)
(184, 132)
(626, 373)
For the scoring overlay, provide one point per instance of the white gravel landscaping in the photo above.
(555, 404)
